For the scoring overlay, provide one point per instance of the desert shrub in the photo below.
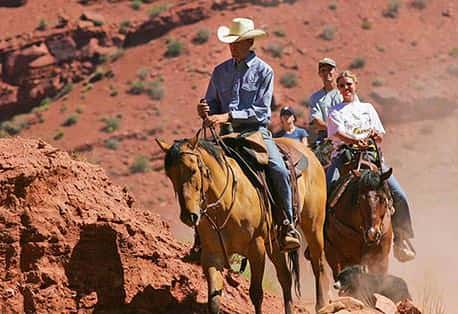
(357, 63)
(143, 73)
(97, 22)
(328, 33)
(419, 4)
(288, 80)
(136, 4)
(366, 24)
(111, 143)
(124, 26)
(174, 48)
(111, 124)
(136, 88)
(113, 91)
(156, 10)
(65, 90)
(201, 36)
(155, 90)
(116, 55)
(71, 120)
(452, 69)
(58, 135)
(453, 52)
(275, 50)
(378, 82)
(42, 25)
(11, 128)
(392, 9)
(140, 165)
(279, 33)
(332, 6)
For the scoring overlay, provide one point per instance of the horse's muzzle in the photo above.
(190, 219)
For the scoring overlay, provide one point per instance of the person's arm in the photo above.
(316, 116)
(378, 131)
(261, 108)
(318, 124)
(336, 130)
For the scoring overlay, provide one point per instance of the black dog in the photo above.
(356, 282)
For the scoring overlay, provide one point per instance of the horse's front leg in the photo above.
(213, 267)
(257, 256)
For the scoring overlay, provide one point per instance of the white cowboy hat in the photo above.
(240, 29)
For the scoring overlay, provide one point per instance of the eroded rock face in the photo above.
(71, 241)
(69, 238)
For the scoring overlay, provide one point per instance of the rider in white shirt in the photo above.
(353, 122)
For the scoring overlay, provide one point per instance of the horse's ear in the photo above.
(163, 145)
(385, 175)
(195, 140)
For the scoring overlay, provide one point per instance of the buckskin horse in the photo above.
(358, 224)
(218, 199)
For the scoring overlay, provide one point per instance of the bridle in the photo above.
(205, 207)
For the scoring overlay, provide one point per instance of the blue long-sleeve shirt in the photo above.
(244, 90)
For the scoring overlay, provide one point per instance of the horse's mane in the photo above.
(173, 154)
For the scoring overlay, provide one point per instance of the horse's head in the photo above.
(374, 202)
(188, 173)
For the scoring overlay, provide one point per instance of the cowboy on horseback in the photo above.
(353, 123)
(240, 93)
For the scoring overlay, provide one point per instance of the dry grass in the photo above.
(430, 300)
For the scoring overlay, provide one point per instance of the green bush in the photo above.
(65, 90)
(112, 143)
(288, 80)
(42, 25)
(174, 48)
(140, 165)
(143, 73)
(279, 33)
(71, 120)
(378, 82)
(11, 128)
(366, 24)
(305, 102)
(136, 4)
(111, 124)
(275, 50)
(155, 90)
(332, 6)
(201, 36)
(328, 33)
(136, 88)
(156, 10)
(453, 52)
(116, 55)
(419, 4)
(58, 135)
(392, 10)
(357, 63)
(124, 27)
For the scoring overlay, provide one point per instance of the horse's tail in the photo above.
(293, 260)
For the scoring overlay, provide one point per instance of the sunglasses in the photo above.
(349, 84)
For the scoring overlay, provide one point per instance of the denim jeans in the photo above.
(278, 175)
(402, 221)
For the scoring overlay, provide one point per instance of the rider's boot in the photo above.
(291, 237)
(403, 250)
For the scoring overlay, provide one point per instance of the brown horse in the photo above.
(358, 228)
(214, 193)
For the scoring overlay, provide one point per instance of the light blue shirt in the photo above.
(244, 90)
(321, 102)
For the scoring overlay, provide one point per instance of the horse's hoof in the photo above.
(233, 279)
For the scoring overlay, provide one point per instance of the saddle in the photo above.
(353, 161)
(250, 151)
